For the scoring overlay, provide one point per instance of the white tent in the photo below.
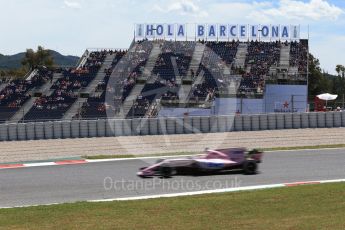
(327, 97)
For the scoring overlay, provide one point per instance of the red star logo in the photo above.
(286, 104)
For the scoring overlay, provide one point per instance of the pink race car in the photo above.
(208, 162)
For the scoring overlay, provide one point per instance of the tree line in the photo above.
(322, 82)
(32, 59)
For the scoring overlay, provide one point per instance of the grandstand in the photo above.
(153, 76)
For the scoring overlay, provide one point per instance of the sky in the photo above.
(71, 26)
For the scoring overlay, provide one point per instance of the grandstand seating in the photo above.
(299, 55)
(178, 52)
(96, 106)
(150, 92)
(212, 78)
(65, 90)
(171, 63)
(261, 56)
(16, 93)
(215, 59)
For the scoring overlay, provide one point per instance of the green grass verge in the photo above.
(191, 153)
(302, 207)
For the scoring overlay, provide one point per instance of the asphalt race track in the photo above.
(105, 180)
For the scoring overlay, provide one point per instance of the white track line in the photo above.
(238, 189)
(245, 188)
(192, 193)
(39, 164)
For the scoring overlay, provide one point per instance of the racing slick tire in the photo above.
(250, 167)
(166, 171)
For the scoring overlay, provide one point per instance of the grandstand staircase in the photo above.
(2, 86)
(129, 101)
(241, 54)
(235, 82)
(185, 89)
(293, 70)
(151, 62)
(147, 74)
(90, 89)
(44, 90)
(197, 81)
(285, 56)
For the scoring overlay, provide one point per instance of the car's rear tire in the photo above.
(250, 167)
(166, 171)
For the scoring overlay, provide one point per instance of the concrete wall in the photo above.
(285, 98)
(165, 125)
(180, 112)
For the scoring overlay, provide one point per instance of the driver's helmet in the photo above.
(253, 151)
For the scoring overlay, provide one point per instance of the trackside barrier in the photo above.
(171, 126)
(205, 124)
(12, 132)
(118, 128)
(127, 127)
(75, 129)
(263, 122)
(101, 128)
(153, 126)
(66, 129)
(30, 131)
(48, 130)
(196, 124)
(280, 121)
(110, 128)
(214, 124)
(255, 122)
(179, 125)
(222, 124)
(162, 126)
(187, 125)
(3, 132)
(21, 131)
(337, 119)
(144, 127)
(230, 120)
(343, 119)
(296, 120)
(84, 130)
(165, 125)
(238, 123)
(246, 123)
(272, 122)
(321, 120)
(312, 120)
(57, 130)
(288, 121)
(329, 119)
(39, 130)
(135, 127)
(304, 120)
(92, 128)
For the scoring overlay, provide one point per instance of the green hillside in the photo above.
(14, 61)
